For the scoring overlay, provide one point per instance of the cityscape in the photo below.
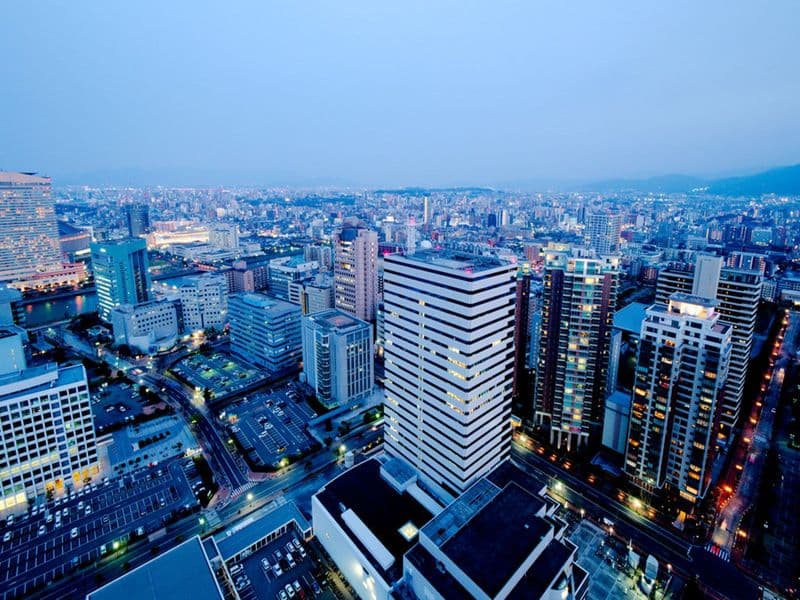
(563, 382)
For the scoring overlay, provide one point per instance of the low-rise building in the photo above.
(147, 327)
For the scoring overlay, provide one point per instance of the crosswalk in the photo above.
(241, 489)
(720, 553)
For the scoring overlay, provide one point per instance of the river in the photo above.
(41, 313)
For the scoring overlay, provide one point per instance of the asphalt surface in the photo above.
(720, 578)
(109, 513)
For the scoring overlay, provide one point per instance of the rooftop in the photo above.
(504, 533)
(363, 492)
(257, 300)
(183, 572)
(334, 318)
(454, 260)
(630, 317)
(39, 379)
(22, 178)
(255, 527)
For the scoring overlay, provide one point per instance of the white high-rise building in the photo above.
(684, 352)
(449, 329)
(204, 302)
(48, 441)
(603, 228)
(337, 357)
(28, 230)
(355, 270)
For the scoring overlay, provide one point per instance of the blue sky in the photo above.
(400, 93)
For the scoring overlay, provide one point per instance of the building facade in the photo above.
(684, 352)
(578, 303)
(28, 229)
(337, 357)
(121, 274)
(146, 327)
(355, 271)
(204, 302)
(48, 443)
(265, 331)
(449, 354)
(602, 234)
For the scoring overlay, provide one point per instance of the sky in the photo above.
(382, 93)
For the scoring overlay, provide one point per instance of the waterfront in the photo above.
(41, 312)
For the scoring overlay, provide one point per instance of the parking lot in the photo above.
(259, 578)
(271, 426)
(218, 372)
(114, 404)
(99, 521)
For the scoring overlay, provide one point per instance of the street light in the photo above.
(249, 496)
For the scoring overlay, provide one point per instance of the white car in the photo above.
(42, 529)
(74, 533)
(7, 537)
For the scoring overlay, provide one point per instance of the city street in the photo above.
(760, 434)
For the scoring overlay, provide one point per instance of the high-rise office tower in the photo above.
(48, 442)
(355, 270)
(602, 232)
(738, 292)
(578, 303)
(684, 352)
(522, 339)
(337, 357)
(449, 356)
(121, 273)
(427, 212)
(28, 230)
(138, 219)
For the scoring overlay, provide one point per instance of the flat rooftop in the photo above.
(383, 510)
(12, 177)
(40, 379)
(255, 527)
(492, 546)
(183, 572)
(630, 317)
(454, 260)
(334, 319)
(263, 301)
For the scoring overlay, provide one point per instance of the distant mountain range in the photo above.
(781, 181)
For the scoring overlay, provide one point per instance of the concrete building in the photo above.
(738, 293)
(578, 302)
(355, 270)
(616, 421)
(28, 230)
(500, 539)
(684, 354)
(48, 442)
(137, 217)
(121, 274)
(313, 295)
(146, 327)
(602, 233)
(322, 255)
(265, 331)
(242, 278)
(12, 311)
(287, 270)
(337, 357)
(224, 236)
(449, 353)
(204, 302)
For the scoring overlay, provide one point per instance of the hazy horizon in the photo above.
(367, 95)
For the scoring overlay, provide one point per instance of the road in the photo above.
(719, 577)
(759, 432)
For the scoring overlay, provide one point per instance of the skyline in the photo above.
(364, 95)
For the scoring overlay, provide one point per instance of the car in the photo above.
(289, 547)
(265, 564)
(42, 529)
(296, 585)
(278, 555)
(289, 590)
(73, 533)
(10, 520)
(236, 569)
(103, 550)
(65, 511)
(276, 570)
(7, 537)
(49, 518)
(140, 531)
(302, 552)
(80, 505)
(88, 510)
(315, 587)
(282, 595)
(297, 543)
(291, 561)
